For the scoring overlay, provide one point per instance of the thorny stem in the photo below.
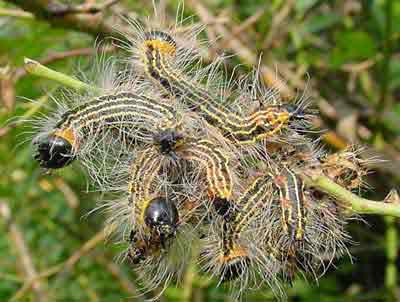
(355, 203)
(34, 67)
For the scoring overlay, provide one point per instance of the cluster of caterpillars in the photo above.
(202, 173)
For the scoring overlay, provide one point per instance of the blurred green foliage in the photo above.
(323, 36)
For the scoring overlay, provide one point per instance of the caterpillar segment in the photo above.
(218, 171)
(235, 257)
(234, 250)
(144, 171)
(293, 218)
(168, 140)
(291, 198)
(121, 111)
(242, 130)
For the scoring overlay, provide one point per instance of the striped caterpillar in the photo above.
(158, 50)
(303, 232)
(234, 251)
(122, 112)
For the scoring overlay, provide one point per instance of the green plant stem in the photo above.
(352, 201)
(391, 240)
(385, 100)
(34, 67)
(15, 13)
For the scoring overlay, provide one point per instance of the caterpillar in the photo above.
(218, 171)
(234, 252)
(159, 49)
(248, 205)
(303, 232)
(293, 216)
(293, 211)
(58, 147)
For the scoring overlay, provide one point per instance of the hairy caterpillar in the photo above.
(218, 171)
(233, 251)
(59, 146)
(303, 232)
(291, 198)
(157, 51)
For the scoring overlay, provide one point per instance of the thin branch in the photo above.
(34, 67)
(86, 8)
(17, 13)
(385, 101)
(248, 22)
(118, 274)
(58, 15)
(68, 264)
(24, 255)
(391, 240)
(69, 194)
(269, 75)
(390, 206)
(56, 56)
(276, 24)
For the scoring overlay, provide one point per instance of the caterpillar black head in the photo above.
(296, 112)
(167, 140)
(300, 116)
(53, 152)
(160, 41)
(162, 217)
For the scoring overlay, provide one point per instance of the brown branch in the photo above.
(66, 265)
(17, 13)
(248, 22)
(87, 18)
(116, 271)
(69, 194)
(24, 256)
(276, 24)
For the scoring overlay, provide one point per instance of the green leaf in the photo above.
(352, 46)
(303, 5)
(320, 22)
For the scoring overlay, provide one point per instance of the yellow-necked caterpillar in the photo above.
(159, 49)
(125, 110)
(235, 251)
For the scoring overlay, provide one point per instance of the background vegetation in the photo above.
(347, 55)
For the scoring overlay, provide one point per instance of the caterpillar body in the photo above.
(234, 252)
(300, 226)
(125, 110)
(160, 48)
(218, 171)
(293, 211)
